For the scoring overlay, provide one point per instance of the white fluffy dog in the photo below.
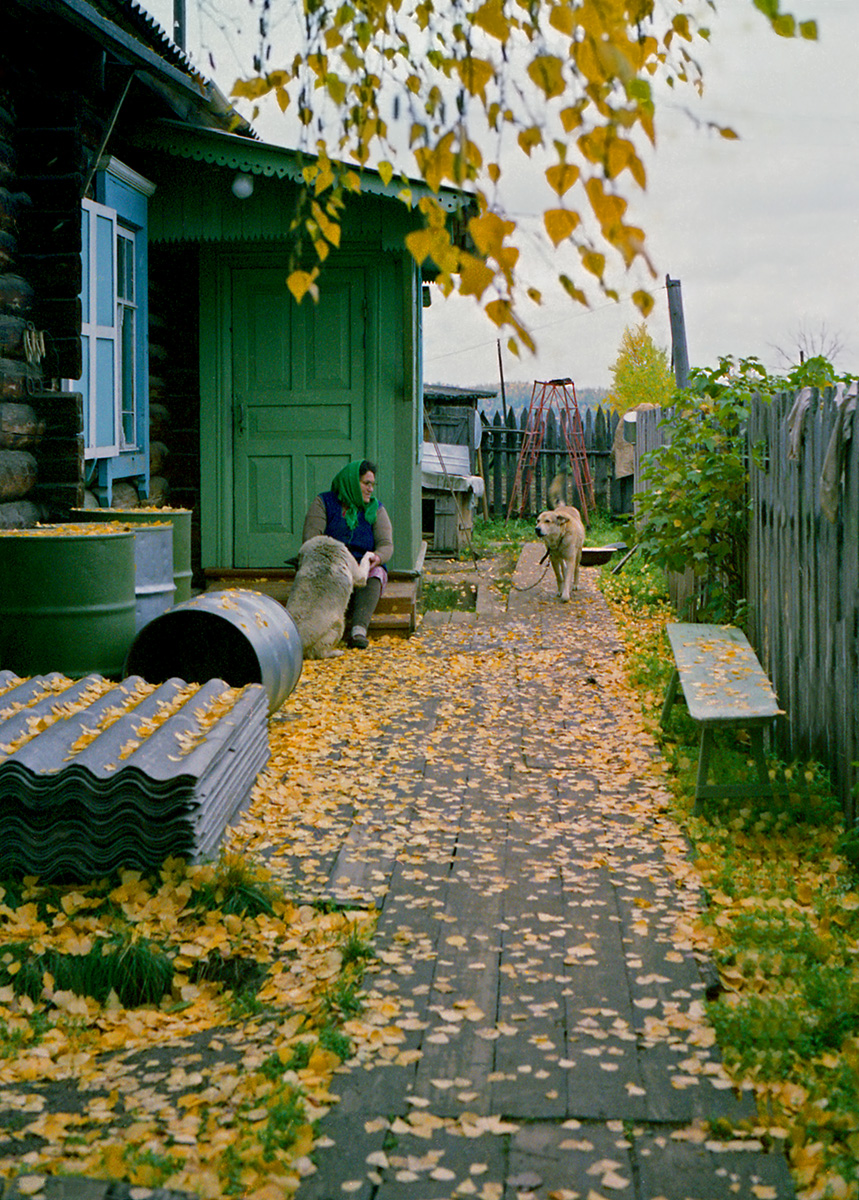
(320, 593)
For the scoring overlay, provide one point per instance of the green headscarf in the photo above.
(347, 488)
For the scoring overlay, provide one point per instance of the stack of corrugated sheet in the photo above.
(96, 775)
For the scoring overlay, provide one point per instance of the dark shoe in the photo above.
(358, 638)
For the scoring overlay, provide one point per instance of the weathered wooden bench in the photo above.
(724, 686)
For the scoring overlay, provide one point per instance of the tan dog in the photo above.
(564, 534)
(320, 593)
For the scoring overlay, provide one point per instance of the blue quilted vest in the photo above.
(360, 539)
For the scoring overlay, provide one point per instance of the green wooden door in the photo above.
(298, 403)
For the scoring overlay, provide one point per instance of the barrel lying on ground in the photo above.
(237, 635)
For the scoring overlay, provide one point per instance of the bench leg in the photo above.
(703, 766)
(670, 697)
(756, 735)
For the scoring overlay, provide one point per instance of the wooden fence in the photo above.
(501, 446)
(803, 576)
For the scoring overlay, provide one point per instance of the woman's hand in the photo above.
(375, 561)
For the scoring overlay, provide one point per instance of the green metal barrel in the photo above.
(67, 600)
(179, 518)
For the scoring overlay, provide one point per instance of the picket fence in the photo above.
(501, 446)
(803, 576)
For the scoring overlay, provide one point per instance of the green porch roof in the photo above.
(263, 158)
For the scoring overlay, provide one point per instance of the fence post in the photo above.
(599, 456)
(496, 443)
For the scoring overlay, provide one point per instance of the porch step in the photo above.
(395, 616)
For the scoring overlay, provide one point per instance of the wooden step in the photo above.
(395, 615)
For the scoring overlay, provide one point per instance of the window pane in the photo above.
(125, 268)
(105, 293)
(82, 386)
(126, 357)
(105, 431)
(85, 264)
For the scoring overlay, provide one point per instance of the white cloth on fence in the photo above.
(833, 462)
(796, 422)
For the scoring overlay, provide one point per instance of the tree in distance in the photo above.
(641, 373)
(570, 85)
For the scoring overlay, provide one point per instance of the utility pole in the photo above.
(179, 23)
(501, 377)
(679, 355)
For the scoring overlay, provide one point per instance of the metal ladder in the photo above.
(558, 395)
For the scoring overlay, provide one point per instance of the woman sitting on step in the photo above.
(352, 514)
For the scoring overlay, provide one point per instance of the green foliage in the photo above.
(355, 948)
(138, 972)
(694, 510)
(641, 373)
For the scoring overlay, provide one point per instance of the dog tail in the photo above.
(558, 490)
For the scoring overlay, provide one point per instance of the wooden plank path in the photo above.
(548, 1030)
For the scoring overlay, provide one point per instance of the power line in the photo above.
(537, 328)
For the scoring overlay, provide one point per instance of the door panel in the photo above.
(299, 405)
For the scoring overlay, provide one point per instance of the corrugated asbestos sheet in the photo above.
(96, 775)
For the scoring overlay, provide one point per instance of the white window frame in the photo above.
(95, 333)
(126, 372)
(121, 412)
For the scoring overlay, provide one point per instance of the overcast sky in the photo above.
(763, 233)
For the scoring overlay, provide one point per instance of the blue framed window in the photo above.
(114, 380)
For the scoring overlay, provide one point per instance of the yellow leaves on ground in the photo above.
(163, 1106)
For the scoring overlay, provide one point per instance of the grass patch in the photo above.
(237, 888)
(447, 597)
(137, 973)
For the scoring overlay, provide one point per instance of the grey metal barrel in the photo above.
(237, 635)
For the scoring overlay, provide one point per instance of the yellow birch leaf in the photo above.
(529, 138)
(335, 87)
(643, 301)
(571, 118)
(419, 243)
(561, 177)
(488, 233)
(594, 262)
(475, 276)
(560, 223)
(498, 311)
(302, 282)
(386, 171)
(491, 19)
(546, 71)
(475, 73)
(330, 229)
(561, 18)
(575, 293)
